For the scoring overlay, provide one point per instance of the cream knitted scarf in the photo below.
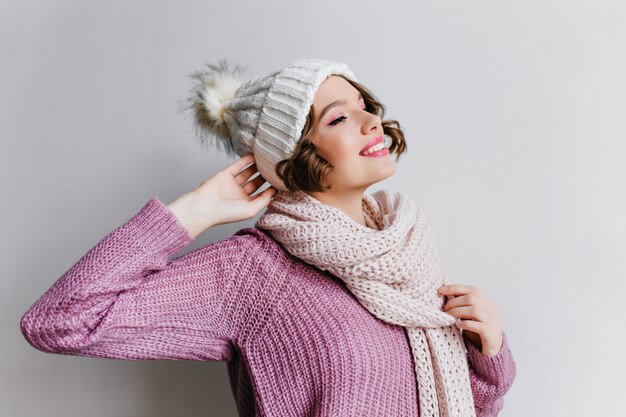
(392, 268)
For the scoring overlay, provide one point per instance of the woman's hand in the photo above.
(482, 321)
(222, 199)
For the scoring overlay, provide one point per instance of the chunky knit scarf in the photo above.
(392, 268)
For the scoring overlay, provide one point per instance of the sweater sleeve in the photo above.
(490, 377)
(125, 299)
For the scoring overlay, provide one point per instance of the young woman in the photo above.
(332, 305)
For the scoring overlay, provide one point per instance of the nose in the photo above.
(371, 122)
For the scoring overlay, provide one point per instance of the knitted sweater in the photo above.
(296, 341)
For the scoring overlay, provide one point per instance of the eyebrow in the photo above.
(335, 104)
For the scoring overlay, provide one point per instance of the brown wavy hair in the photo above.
(306, 170)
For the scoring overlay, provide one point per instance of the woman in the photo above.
(333, 304)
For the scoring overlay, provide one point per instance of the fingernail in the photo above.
(445, 287)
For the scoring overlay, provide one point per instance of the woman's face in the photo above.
(342, 130)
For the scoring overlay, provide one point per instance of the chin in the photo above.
(386, 173)
(382, 177)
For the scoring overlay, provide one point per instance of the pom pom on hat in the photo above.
(265, 115)
(213, 88)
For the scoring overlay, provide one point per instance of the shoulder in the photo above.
(259, 244)
(248, 239)
(254, 238)
(248, 246)
(253, 234)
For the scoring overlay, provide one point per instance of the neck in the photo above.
(348, 201)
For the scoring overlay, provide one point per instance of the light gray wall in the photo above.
(515, 117)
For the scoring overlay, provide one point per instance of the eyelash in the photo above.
(335, 122)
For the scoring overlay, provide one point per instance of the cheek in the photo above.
(346, 159)
(338, 149)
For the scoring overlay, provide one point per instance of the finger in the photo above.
(246, 174)
(262, 199)
(472, 300)
(239, 164)
(253, 185)
(461, 289)
(460, 300)
(469, 312)
(467, 300)
(458, 289)
(473, 326)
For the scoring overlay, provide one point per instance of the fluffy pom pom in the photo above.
(212, 89)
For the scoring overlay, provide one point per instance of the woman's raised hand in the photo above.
(222, 199)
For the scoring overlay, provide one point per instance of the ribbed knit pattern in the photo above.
(242, 114)
(296, 340)
(284, 113)
(392, 268)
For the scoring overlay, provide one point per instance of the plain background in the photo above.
(514, 114)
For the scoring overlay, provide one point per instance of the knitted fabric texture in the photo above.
(296, 341)
(392, 268)
(265, 115)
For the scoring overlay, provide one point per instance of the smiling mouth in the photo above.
(378, 145)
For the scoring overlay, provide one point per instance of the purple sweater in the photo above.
(296, 341)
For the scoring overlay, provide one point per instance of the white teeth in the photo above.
(375, 148)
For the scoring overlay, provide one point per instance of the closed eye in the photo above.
(341, 118)
(337, 120)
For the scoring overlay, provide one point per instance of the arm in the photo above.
(490, 377)
(124, 299)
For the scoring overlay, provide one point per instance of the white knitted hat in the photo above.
(264, 116)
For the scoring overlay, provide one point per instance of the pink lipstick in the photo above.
(370, 144)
